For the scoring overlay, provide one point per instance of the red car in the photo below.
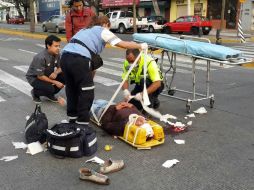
(189, 24)
(17, 20)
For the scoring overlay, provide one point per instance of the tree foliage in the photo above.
(19, 4)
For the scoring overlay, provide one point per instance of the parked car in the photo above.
(55, 23)
(152, 24)
(17, 20)
(190, 24)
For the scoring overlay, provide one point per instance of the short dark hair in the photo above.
(50, 39)
(135, 52)
(85, 3)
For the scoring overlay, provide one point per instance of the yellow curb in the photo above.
(248, 65)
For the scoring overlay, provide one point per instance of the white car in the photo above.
(55, 23)
(152, 24)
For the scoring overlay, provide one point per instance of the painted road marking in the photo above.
(3, 58)
(27, 51)
(98, 79)
(15, 82)
(1, 99)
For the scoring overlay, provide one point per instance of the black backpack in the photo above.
(71, 140)
(36, 126)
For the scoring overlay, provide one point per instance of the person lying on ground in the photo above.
(118, 115)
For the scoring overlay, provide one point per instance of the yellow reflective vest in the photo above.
(153, 70)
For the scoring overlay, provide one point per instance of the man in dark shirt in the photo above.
(44, 73)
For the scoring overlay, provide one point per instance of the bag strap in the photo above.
(73, 40)
(72, 25)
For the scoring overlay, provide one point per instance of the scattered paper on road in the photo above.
(189, 123)
(170, 163)
(96, 160)
(19, 145)
(179, 124)
(34, 148)
(191, 115)
(178, 141)
(9, 158)
(200, 110)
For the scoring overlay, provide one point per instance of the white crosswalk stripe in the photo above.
(247, 49)
(3, 58)
(97, 79)
(10, 39)
(1, 99)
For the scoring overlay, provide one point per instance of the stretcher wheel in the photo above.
(188, 108)
(171, 92)
(211, 103)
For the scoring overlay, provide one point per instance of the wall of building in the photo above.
(248, 16)
(180, 8)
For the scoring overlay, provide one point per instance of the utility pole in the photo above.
(218, 38)
(32, 16)
(134, 17)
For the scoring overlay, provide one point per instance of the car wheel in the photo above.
(194, 30)
(167, 30)
(206, 32)
(121, 29)
(44, 28)
(151, 29)
(58, 30)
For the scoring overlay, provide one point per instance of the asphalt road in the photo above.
(219, 149)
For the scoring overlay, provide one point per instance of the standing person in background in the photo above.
(78, 68)
(79, 16)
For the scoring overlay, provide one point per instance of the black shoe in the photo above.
(36, 99)
(52, 98)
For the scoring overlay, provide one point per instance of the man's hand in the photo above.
(139, 96)
(126, 94)
(53, 75)
(58, 84)
(144, 46)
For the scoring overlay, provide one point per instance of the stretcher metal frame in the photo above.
(170, 91)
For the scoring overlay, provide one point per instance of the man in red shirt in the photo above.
(79, 16)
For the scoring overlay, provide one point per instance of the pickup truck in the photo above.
(122, 21)
(190, 24)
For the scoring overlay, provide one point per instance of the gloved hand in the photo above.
(144, 46)
(139, 96)
(126, 94)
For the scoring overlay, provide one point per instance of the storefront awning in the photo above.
(118, 3)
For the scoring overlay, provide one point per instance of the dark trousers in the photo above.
(79, 86)
(42, 88)
(152, 97)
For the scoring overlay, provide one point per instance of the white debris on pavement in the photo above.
(200, 110)
(192, 115)
(178, 141)
(19, 145)
(189, 123)
(96, 160)
(27, 117)
(170, 163)
(179, 124)
(9, 158)
(34, 148)
(185, 117)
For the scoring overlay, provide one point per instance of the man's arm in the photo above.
(153, 87)
(55, 73)
(47, 79)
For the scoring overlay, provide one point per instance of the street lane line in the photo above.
(27, 51)
(97, 79)
(1, 99)
(15, 82)
(41, 45)
(3, 58)
(105, 81)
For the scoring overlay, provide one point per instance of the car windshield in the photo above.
(203, 18)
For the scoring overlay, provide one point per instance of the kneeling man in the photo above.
(44, 73)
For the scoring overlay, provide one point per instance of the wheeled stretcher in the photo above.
(196, 49)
